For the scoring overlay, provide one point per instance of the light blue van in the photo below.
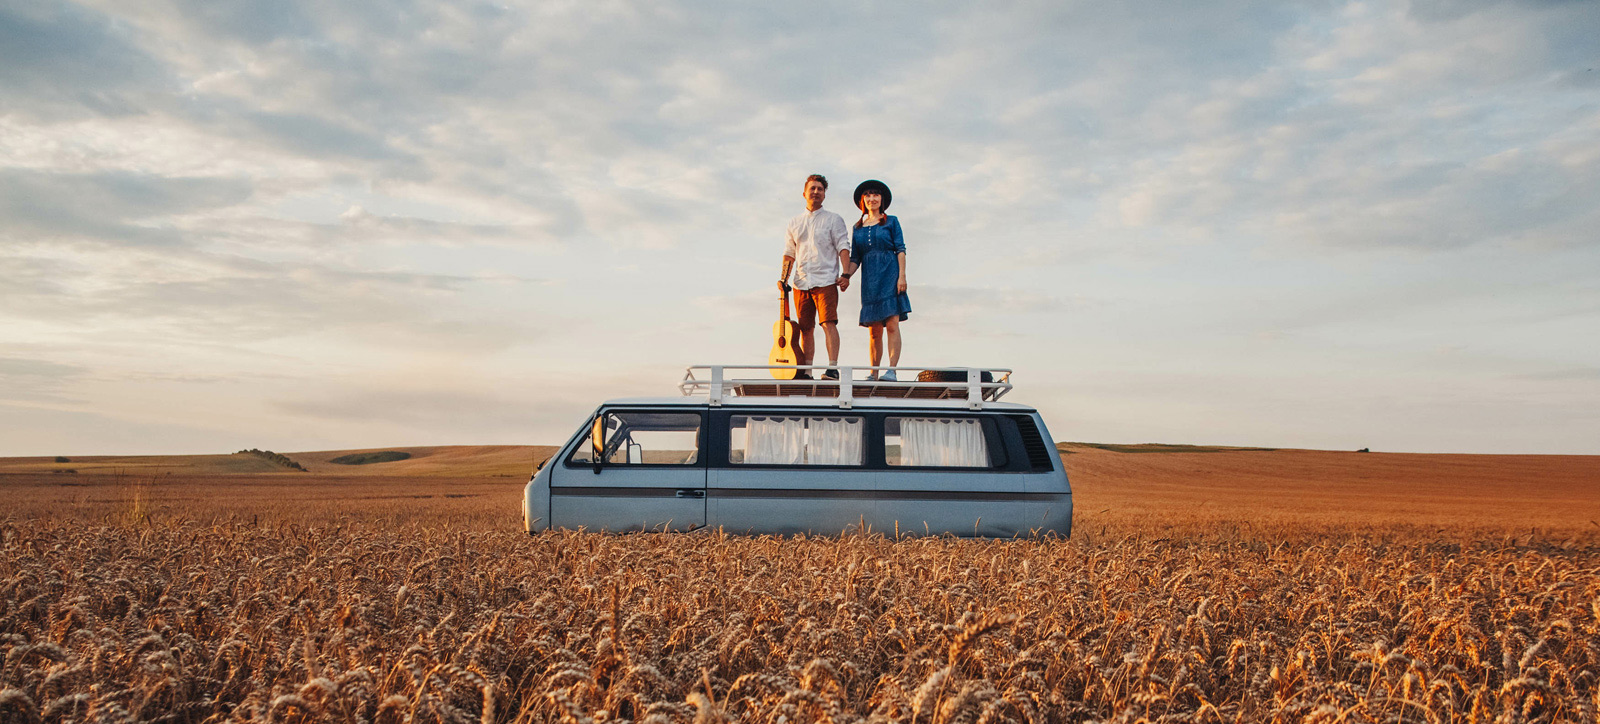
(932, 457)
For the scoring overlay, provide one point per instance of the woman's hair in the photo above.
(864, 217)
(864, 213)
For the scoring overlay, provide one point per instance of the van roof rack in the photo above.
(976, 385)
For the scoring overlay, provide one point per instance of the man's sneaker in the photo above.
(831, 374)
(888, 376)
(803, 375)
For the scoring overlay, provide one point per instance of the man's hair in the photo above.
(819, 178)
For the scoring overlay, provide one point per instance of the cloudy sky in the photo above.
(311, 225)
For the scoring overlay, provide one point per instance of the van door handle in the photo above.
(692, 493)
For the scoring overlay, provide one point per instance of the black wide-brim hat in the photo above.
(874, 185)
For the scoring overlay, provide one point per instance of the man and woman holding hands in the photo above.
(821, 254)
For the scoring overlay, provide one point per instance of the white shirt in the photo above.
(815, 239)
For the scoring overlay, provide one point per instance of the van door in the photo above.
(650, 474)
(791, 472)
(945, 474)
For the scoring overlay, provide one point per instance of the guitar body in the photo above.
(785, 335)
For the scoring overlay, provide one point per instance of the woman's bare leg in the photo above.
(875, 344)
(893, 323)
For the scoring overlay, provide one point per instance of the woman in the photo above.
(879, 250)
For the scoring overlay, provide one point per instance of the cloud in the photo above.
(105, 207)
(36, 368)
(339, 182)
(58, 60)
(408, 405)
(455, 407)
(1243, 128)
(1269, 127)
(252, 23)
(965, 302)
(1576, 374)
(202, 299)
(32, 430)
(359, 226)
(312, 135)
(36, 380)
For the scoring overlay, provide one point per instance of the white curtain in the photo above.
(775, 440)
(835, 441)
(942, 442)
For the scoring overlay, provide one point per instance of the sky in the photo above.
(332, 225)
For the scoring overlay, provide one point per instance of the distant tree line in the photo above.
(271, 456)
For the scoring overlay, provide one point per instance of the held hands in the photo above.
(844, 283)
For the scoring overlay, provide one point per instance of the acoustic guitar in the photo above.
(785, 334)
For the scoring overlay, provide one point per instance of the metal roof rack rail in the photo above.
(715, 382)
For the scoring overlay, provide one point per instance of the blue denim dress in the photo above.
(876, 249)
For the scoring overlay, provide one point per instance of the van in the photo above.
(938, 456)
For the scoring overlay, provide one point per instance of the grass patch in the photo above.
(383, 456)
(275, 458)
(1158, 447)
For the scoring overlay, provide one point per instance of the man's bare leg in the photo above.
(802, 351)
(830, 336)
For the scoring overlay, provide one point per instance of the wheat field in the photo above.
(248, 599)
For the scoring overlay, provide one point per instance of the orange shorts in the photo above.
(809, 304)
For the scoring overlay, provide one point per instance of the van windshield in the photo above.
(646, 438)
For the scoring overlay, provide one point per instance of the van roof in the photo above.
(872, 403)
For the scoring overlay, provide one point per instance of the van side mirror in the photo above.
(597, 441)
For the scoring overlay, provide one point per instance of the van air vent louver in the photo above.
(1038, 454)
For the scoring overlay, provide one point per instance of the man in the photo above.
(816, 248)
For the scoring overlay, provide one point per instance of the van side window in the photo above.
(646, 438)
(946, 442)
(796, 440)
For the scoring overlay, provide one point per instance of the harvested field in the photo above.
(1259, 590)
(1299, 491)
(451, 461)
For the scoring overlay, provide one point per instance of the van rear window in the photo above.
(796, 440)
(945, 442)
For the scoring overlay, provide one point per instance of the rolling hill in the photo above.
(458, 461)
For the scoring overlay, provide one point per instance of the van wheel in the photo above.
(950, 376)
